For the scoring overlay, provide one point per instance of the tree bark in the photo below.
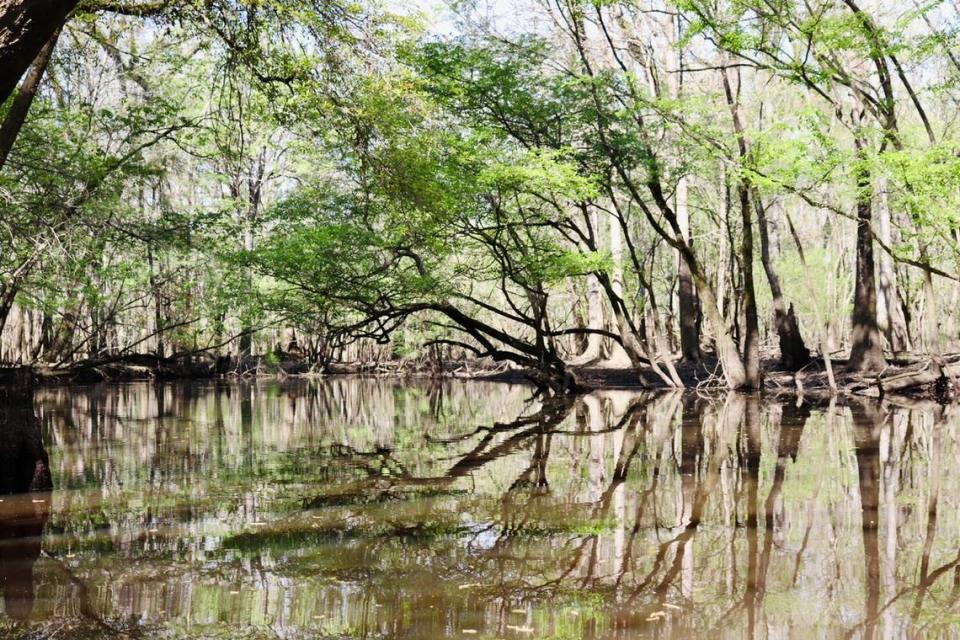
(253, 199)
(8, 294)
(751, 335)
(616, 273)
(866, 351)
(25, 27)
(889, 314)
(158, 315)
(931, 315)
(594, 307)
(686, 292)
(17, 114)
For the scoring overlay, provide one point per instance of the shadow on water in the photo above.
(354, 508)
(26, 486)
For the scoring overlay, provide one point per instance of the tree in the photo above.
(26, 26)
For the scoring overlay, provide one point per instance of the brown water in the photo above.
(375, 509)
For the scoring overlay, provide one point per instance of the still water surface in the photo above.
(358, 508)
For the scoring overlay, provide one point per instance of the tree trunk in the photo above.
(616, 273)
(21, 104)
(793, 352)
(636, 348)
(25, 27)
(254, 198)
(630, 338)
(751, 335)
(751, 330)
(686, 293)
(931, 315)
(866, 350)
(158, 319)
(727, 352)
(687, 304)
(8, 294)
(594, 306)
(660, 340)
(890, 317)
(724, 275)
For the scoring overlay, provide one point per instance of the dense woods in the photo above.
(690, 190)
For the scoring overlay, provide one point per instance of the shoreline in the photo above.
(934, 380)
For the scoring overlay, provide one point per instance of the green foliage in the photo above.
(336, 169)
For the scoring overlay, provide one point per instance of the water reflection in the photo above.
(25, 485)
(378, 509)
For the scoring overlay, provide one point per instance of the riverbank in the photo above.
(934, 379)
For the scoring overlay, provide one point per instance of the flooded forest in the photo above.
(548, 319)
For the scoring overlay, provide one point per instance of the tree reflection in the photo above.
(411, 510)
(867, 425)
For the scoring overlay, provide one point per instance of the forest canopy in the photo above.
(722, 186)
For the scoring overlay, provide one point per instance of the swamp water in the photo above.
(359, 508)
